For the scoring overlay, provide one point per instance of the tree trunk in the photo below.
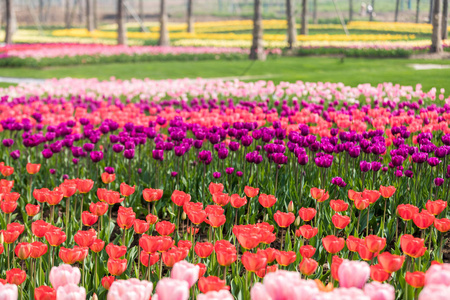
(41, 11)
(304, 28)
(9, 22)
(121, 26)
(350, 10)
(190, 18)
(417, 11)
(67, 13)
(445, 20)
(95, 11)
(257, 49)
(292, 30)
(89, 16)
(436, 37)
(163, 20)
(141, 10)
(315, 11)
(373, 10)
(430, 15)
(397, 5)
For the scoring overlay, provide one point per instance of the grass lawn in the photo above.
(351, 71)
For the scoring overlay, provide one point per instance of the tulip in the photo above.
(151, 219)
(99, 208)
(387, 191)
(203, 250)
(185, 271)
(389, 262)
(338, 205)
(44, 293)
(308, 266)
(250, 191)
(253, 262)
(202, 271)
(284, 219)
(38, 249)
(70, 256)
(237, 201)
(32, 210)
(107, 281)
(335, 264)
(407, 211)
(151, 195)
(55, 237)
(40, 228)
(8, 291)
(172, 289)
(264, 271)
(307, 231)
(436, 207)
(353, 274)
(126, 190)
(423, 220)
(88, 219)
(33, 168)
(149, 258)
(285, 258)
(15, 276)
(375, 243)
(412, 246)
(333, 244)
(364, 252)
(307, 251)
(213, 295)
(197, 217)
(22, 250)
(85, 238)
(226, 256)
(353, 243)
(165, 228)
(379, 291)
(115, 252)
(8, 207)
(130, 289)
(140, 226)
(185, 244)
(71, 292)
(415, 279)
(108, 178)
(215, 188)
(267, 200)
(180, 198)
(339, 221)
(116, 266)
(211, 283)
(377, 273)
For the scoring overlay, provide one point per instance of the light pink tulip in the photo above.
(130, 289)
(183, 270)
(435, 292)
(63, 275)
(221, 295)
(353, 274)
(258, 292)
(341, 294)
(172, 289)
(284, 285)
(438, 274)
(8, 292)
(379, 291)
(71, 292)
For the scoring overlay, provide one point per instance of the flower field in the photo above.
(212, 189)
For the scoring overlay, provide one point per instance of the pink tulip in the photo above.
(185, 271)
(220, 295)
(353, 274)
(71, 292)
(435, 292)
(438, 274)
(8, 292)
(379, 291)
(258, 292)
(282, 285)
(63, 275)
(130, 289)
(172, 289)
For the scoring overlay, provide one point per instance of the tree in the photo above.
(163, 20)
(397, 5)
(417, 11)
(436, 37)
(430, 14)
(67, 16)
(257, 49)
(292, 30)
(445, 20)
(373, 10)
(121, 26)
(350, 10)
(9, 22)
(190, 18)
(95, 12)
(304, 28)
(315, 11)
(141, 11)
(89, 16)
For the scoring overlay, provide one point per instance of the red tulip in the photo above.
(97, 245)
(108, 178)
(203, 250)
(333, 244)
(126, 190)
(387, 191)
(151, 195)
(116, 266)
(442, 225)
(307, 231)
(215, 188)
(22, 250)
(339, 221)
(336, 262)
(221, 199)
(33, 168)
(85, 238)
(55, 237)
(171, 257)
(185, 244)
(70, 256)
(263, 271)
(112, 197)
(140, 226)
(364, 252)
(317, 194)
(99, 208)
(11, 196)
(436, 207)
(153, 258)
(180, 198)
(352, 195)
(7, 171)
(373, 196)
(39, 228)
(54, 197)
(251, 191)
(125, 217)
(165, 228)
(197, 217)
(377, 273)
(88, 219)
(237, 201)
(151, 219)
(284, 219)
(353, 243)
(225, 257)
(375, 243)
(423, 219)
(214, 210)
(15, 227)
(115, 252)
(193, 230)
(253, 261)
(38, 249)
(32, 210)
(270, 254)
(407, 211)
(248, 240)
(216, 220)
(361, 203)
(412, 246)
(8, 207)
(210, 283)
(267, 200)
(285, 258)
(338, 205)
(191, 206)
(202, 270)
(308, 266)
(391, 263)
(68, 189)
(307, 251)
(44, 293)
(84, 185)
(415, 279)
(15, 276)
(107, 281)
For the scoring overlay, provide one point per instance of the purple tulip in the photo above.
(96, 156)
(15, 154)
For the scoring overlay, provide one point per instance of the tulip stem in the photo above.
(368, 217)
(357, 225)
(82, 273)
(124, 236)
(7, 255)
(225, 273)
(52, 213)
(429, 240)
(248, 210)
(81, 207)
(384, 214)
(160, 267)
(96, 270)
(67, 213)
(148, 267)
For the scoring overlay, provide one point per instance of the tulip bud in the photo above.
(183, 216)
(297, 221)
(2, 240)
(291, 207)
(94, 297)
